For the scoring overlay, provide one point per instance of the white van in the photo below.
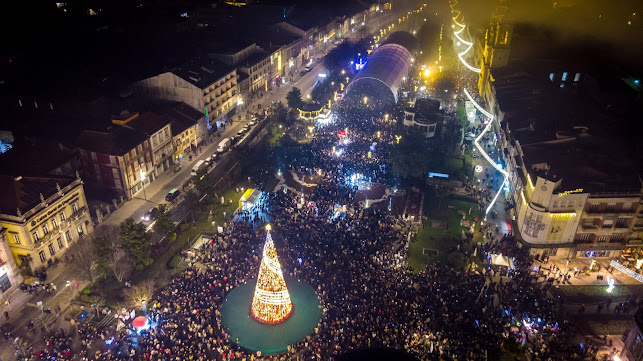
(224, 145)
(198, 166)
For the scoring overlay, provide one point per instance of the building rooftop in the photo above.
(37, 157)
(590, 163)
(202, 72)
(149, 122)
(117, 140)
(21, 193)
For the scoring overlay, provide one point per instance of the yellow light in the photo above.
(562, 215)
(268, 227)
(522, 194)
(426, 72)
(398, 138)
(343, 72)
(531, 185)
(365, 100)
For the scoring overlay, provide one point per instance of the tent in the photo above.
(248, 199)
(500, 260)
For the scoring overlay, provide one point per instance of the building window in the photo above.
(167, 133)
(126, 157)
(16, 239)
(60, 243)
(79, 230)
(35, 235)
(577, 77)
(74, 207)
(112, 160)
(94, 156)
(52, 251)
(621, 223)
(555, 204)
(54, 222)
(62, 216)
(610, 208)
(584, 237)
(45, 229)
(68, 237)
(593, 208)
(602, 238)
(564, 77)
(154, 140)
(140, 148)
(41, 254)
(617, 237)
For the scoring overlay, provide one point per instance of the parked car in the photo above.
(253, 122)
(172, 195)
(150, 214)
(246, 128)
(308, 68)
(302, 73)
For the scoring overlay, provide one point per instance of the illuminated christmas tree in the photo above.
(271, 302)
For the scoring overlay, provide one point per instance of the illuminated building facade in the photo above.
(633, 343)
(204, 84)
(42, 216)
(10, 277)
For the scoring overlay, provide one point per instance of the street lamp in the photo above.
(365, 100)
(143, 181)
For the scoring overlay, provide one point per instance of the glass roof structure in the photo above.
(384, 72)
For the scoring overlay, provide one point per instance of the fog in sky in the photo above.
(613, 26)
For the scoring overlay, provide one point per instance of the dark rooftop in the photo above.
(23, 193)
(115, 141)
(202, 72)
(586, 162)
(38, 157)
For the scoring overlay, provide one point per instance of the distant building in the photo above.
(116, 158)
(42, 216)
(424, 116)
(576, 191)
(633, 345)
(10, 277)
(185, 124)
(207, 85)
(157, 128)
(253, 65)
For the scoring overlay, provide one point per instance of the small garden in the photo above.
(440, 239)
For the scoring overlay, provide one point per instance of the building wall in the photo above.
(162, 150)
(10, 277)
(220, 97)
(49, 229)
(122, 173)
(169, 86)
(183, 142)
(541, 219)
(607, 222)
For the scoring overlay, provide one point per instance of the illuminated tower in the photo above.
(271, 302)
(497, 46)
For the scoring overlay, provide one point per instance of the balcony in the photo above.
(79, 213)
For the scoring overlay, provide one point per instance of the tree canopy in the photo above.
(294, 98)
(135, 242)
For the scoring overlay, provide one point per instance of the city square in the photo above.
(392, 184)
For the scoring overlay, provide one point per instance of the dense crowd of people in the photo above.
(351, 260)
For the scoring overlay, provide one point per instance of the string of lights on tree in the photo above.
(271, 302)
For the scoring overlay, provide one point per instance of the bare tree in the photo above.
(83, 258)
(138, 294)
(120, 264)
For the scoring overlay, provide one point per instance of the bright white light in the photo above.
(610, 284)
(321, 75)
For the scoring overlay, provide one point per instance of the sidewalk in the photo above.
(24, 308)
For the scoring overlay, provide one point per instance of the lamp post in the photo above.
(143, 181)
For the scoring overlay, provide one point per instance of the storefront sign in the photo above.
(578, 190)
(54, 210)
